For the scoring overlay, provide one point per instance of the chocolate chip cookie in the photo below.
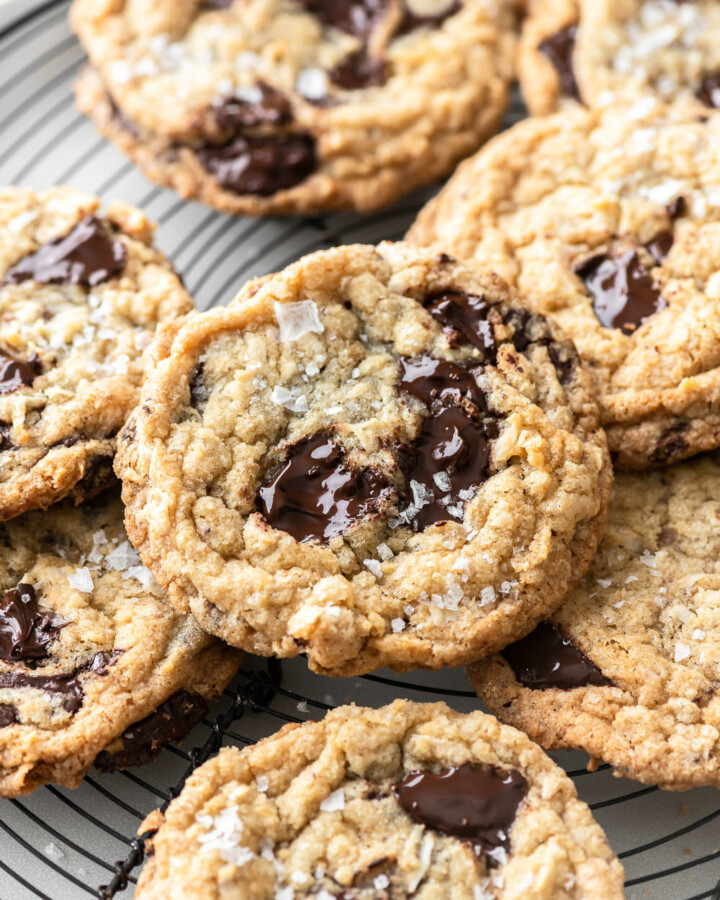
(376, 457)
(80, 297)
(276, 106)
(409, 800)
(603, 52)
(608, 222)
(95, 665)
(628, 669)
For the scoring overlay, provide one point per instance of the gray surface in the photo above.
(63, 844)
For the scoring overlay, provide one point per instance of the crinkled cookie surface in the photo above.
(366, 805)
(95, 665)
(274, 106)
(608, 222)
(629, 671)
(80, 297)
(375, 457)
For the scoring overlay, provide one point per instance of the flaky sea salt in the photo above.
(297, 319)
(141, 574)
(397, 625)
(374, 566)
(682, 651)
(698, 635)
(334, 802)
(312, 84)
(18, 222)
(421, 495)
(384, 552)
(381, 882)
(81, 580)
(223, 833)
(262, 783)
(487, 595)
(442, 480)
(293, 400)
(123, 557)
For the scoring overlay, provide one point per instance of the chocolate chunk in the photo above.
(411, 22)
(624, 295)
(6, 442)
(456, 447)
(478, 803)
(260, 165)
(464, 318)
(439, 380)
(67, 685)
(198, 391)
(559, 50)
(358, 70)
(317, 494)
(660, 246)
(145, 739)
(547, 659)
(260, 105)
(564, 358)
(677, 208)
(17, 373)
(672, 444)
(218, 4)
(8, 714)
(708, 91)
(356, 17)
(88, 255)
(25, 632)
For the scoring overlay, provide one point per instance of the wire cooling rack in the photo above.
(65, 845)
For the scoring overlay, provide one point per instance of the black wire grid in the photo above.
(58, 844)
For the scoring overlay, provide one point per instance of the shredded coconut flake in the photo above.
(297, 319)
(334, 802)
(81, 580)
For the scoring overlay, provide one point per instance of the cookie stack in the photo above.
(397, 455)
(96, 667)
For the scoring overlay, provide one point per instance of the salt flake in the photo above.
(297, 319)
(334, 802)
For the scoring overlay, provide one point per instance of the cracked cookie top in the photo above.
(628, 668)
(608, 222)
(600, 52)
(411, 800)
(80, 297)
(265, 106)
(95, 665)
(375, 457)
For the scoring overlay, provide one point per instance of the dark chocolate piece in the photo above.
(357, 17)
(270, 107)
(260, 165)
(624, 295)
(430, 379)
(564, 358)
(88, 255)
(410, 22)
(708, 91)
(358, 71)
(559, 50)
(677, 208)
(317, 494)
(145, 739)
(660, 246)
(6, 442)
(17, 373)
(464, 318)
(8, 714)
(547, 659)
(456, 447)
(672, 444)
(66, 685)
(25, 632)
(478, 803)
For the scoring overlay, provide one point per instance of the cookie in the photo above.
(546, 55)
(80, 298)
(376, 457)
(274, 106)
(409, 800)
(628, 668)
(95, 665)
(602, 52)
(608, 222)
